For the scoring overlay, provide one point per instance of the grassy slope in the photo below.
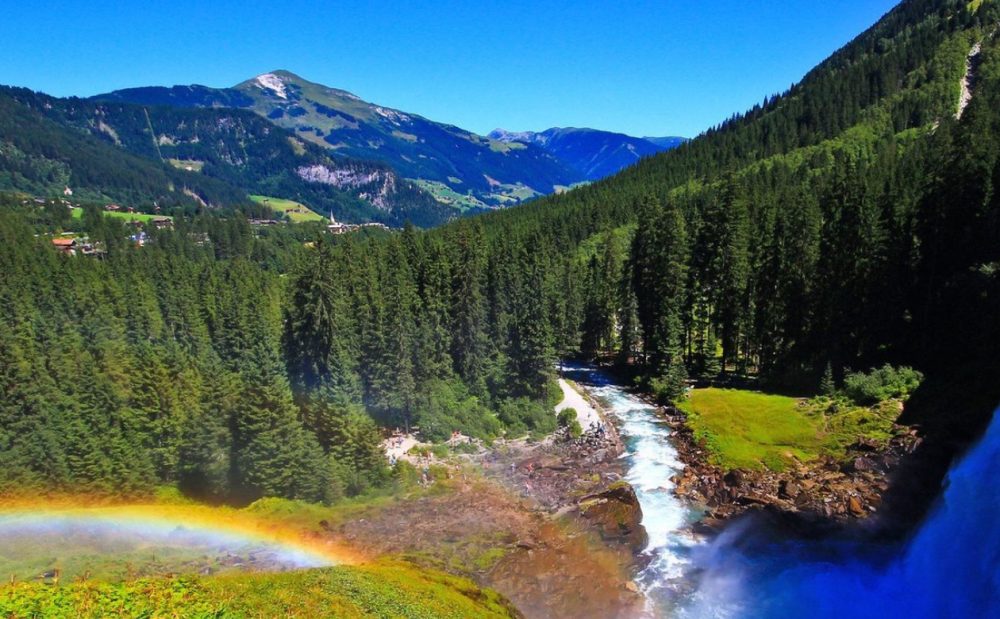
(748, 429)
(280, 205)
(751, 430)
(384, 589)
(78, 213)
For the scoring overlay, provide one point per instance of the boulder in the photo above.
(617, 515)
(855, 507)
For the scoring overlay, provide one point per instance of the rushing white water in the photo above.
(651, 462)
(949, 569)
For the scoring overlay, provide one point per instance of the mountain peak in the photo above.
(277, 81)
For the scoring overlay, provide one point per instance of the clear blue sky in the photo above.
(643, 67)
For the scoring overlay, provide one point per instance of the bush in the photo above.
(881, 384)
(567, 419)
(521, 415)
(566, 415)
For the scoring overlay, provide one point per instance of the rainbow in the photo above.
(194, 526)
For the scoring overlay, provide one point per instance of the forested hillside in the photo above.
(235, 149)
(449, 159)
(43, 157)
(849, 222)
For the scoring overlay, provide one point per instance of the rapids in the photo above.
(949, 568)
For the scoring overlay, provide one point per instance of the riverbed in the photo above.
(950, 567)
(651, 461)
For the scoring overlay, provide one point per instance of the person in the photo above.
(513, 468)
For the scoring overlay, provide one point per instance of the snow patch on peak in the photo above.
(391, 115)
(270, 81)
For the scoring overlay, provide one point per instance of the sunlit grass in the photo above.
(751, 430)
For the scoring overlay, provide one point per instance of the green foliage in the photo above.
(385, 589)
(881, 384)
(827, 386)
(567, 419)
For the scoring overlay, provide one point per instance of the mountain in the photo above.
(593, 153)
(43, 157)
(461, 168)
(227, 147)
(666, 143)
(847, 223)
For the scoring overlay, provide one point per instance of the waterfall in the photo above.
(949, 568)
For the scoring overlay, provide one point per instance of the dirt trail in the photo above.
(585, 413)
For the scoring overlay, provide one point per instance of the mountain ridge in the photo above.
(593, 152)
(445, 158)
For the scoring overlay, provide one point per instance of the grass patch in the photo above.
(190, 165)
(143, 217)
(383, 589)
(751, 430)
(289, 207)
(444, 193)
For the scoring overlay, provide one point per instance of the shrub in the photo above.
(881, 384)
(521, 415)
(567, 419)
(566, 415)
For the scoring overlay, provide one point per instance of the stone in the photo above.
(855, 507)
(617, 515)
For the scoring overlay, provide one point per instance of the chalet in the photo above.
(66, 245)
(67, 191)
(130, 209)
(112, 208)
(162, 222)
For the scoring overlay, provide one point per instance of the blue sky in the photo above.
(643, 67)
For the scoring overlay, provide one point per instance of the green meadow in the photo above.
(280, 205)
(143, 217)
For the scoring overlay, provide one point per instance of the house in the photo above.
(112, 208)
(66, 245)
(162, 222)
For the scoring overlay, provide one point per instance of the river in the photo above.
(949, 568)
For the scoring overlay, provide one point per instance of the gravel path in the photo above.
(585, 413)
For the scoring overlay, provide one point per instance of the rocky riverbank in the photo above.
(549, 524)
(825, 491)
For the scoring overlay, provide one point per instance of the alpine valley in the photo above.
(282, 136)
(754, 376)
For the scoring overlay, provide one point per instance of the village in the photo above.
(73, 243)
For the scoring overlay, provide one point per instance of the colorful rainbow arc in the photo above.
(210, 526)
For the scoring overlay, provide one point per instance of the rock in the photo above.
(735, 477)
(631, 586)
(855, 507)
(617, 515)
(787, 489)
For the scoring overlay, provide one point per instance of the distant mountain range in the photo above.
(591, 152)
(139, 155)
(457, 166)
(282, 136)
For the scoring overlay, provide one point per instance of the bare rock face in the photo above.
(617, 515)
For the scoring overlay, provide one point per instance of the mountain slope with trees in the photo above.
(845, 224)
(493, 172)
(233, 148)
